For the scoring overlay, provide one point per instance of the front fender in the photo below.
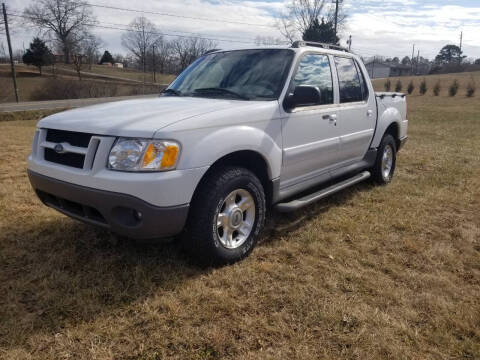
(203, 147)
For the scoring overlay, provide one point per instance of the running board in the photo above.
(321, 194)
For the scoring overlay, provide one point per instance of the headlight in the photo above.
(143, 155)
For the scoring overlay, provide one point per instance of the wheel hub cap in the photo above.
(387, 162)
(235, 219)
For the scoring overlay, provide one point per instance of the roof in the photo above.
(304, 47)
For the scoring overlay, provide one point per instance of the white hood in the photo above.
(136, 118)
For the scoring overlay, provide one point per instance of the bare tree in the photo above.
(163, 54)
(139, 39)
(78, 62)
(186, 50)
(90, 47)
(301, 14)
(67, 21)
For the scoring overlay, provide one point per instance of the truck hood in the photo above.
(136, 118)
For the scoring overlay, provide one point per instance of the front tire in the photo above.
(384, 168)
(226, 217)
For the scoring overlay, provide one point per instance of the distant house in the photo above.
(118, 65)
(379, 69)
(106, 64)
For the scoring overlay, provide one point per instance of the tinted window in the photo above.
(363, 83)
(348, 80)
(314, 70)
(254, 74)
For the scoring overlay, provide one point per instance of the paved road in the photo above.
(63, 104)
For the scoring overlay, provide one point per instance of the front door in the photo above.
(310, 135)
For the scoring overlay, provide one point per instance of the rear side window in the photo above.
(363, 83)
(314, 70)
(348, 80)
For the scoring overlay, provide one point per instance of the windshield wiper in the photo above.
(214, 90)
(172, 92)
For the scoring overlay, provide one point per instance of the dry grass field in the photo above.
(30, 83)
(127, 73)
(371, 273)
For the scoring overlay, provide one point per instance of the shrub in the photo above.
(398, 86)
(411, 87)
(471, 88)
(437, 88)
(453, 89)
(423, 87)
(388, 85)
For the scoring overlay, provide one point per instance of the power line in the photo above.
(97, 25)
(186, 32)
(178, 16)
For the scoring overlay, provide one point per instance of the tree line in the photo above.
(66, 25)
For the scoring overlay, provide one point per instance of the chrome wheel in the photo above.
(387, 162)
(235, 219)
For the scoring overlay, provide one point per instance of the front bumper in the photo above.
(123, 214)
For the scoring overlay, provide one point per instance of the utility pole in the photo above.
(411, 60)
(349, 43)
(336, 16)
(12, 64)
(373, 67)
(418, 59)
(153, 50)
(461, 43)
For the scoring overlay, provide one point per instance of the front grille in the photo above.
(73, 138)
(68, 159)
(83, 211)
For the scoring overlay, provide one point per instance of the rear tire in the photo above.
(226, 217)
(384, 168)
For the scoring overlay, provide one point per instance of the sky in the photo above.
(378, 27)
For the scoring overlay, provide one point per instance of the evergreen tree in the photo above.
(450, 54)
(106, 58)
(323, 32)
(38, 54)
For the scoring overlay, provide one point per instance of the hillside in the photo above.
(32, 86)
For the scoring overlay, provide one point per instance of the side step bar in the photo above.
(321, 194)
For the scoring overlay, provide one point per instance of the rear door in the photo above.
(357, 112)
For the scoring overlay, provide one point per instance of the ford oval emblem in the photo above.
(59, 148)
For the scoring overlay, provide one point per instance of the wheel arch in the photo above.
(248, 159)
(389, 122)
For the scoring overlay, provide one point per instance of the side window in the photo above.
(314, 70)
(363, 83)
(348, 80)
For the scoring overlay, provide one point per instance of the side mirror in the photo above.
(304, 95)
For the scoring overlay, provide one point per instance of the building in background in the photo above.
(381, 69)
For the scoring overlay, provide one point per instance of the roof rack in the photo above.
(302, 43)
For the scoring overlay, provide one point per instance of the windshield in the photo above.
(240, 74)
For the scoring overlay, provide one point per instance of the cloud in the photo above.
(378, 27)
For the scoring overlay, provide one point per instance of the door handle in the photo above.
(369, 113)
(331, 117)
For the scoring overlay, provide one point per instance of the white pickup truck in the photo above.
(235, 134)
